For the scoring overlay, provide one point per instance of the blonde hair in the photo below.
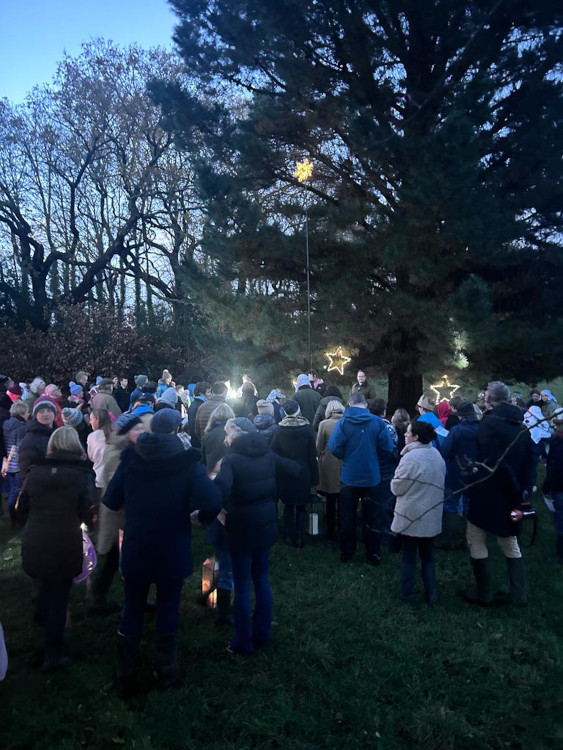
(65, 439)
(221, 414)
(19, 408)
(333, 407)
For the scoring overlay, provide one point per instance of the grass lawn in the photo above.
(350, 666)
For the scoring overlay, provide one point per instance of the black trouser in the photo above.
(349, 497)
(51, 604)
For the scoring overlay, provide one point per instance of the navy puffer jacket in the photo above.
(160, 483)
(248, 479)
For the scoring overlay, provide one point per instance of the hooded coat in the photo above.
(160, 483)
(55, 499)
(491, 501)
(295, 439)
(266, 425)
(358, 439)
(248, 479)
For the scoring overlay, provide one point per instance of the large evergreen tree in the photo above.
(435, 206)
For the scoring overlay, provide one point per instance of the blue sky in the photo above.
(34, 34)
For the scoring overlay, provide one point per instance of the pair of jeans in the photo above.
(384, 507)
(168, 593)
(349, 498)
(424, 546)
(215, 535)
(252, 629)
(51, 603)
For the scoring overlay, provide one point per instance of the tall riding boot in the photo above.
(483, 594)
(127, 652)
(408, 577)
(224, 614)
(429, 580)
(518, 584)
(169, 675)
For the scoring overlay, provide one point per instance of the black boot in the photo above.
(429, 580)
(518, 584)
(224, 616)
(127, 652)
(483, 594)
(169, 675)
(408, 577)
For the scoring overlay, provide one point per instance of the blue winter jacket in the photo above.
(160, 484)
(458, 450)
(441, 432)
(359, 438)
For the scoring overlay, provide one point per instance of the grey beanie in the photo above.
(140, 380)
(72, 417)
(244, 424)
(169, 397)
(264, 407)
(165, 421)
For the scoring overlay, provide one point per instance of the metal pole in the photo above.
(308, 269)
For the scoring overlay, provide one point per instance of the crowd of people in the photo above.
(141, 467)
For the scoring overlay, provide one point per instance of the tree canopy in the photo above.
(434, 208)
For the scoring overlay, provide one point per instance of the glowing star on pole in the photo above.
(337, 360)
(303, 170)
(443, 385)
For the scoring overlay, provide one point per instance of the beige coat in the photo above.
(418, 485)
(110, 520)
(329, 465)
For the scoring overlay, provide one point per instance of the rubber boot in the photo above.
(408, 577)
(127, 652)
(483, 594)
(224, 614)
(518, 583)
(169, 675)
(429, 581)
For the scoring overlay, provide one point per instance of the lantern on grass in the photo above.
(209, 581)
(315, 515)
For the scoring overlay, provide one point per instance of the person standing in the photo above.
(329, 466)
(56, 497)
(202, 393)
(104, 399)
(247, 479)
(364, 387)
(495, 493)
(121, 394)
(33, 446)
(13, 433)
(427, 413)
(307, 398)
(418, 485)
(358, 439)
(160, 484)
(553, 485)
(218, 396)
(295, 439)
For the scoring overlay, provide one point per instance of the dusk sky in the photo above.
(34, 34)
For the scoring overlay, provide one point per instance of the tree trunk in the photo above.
(404, 390)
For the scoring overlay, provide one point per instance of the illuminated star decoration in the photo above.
(443, 385)
(337, 360)
(303, 170)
